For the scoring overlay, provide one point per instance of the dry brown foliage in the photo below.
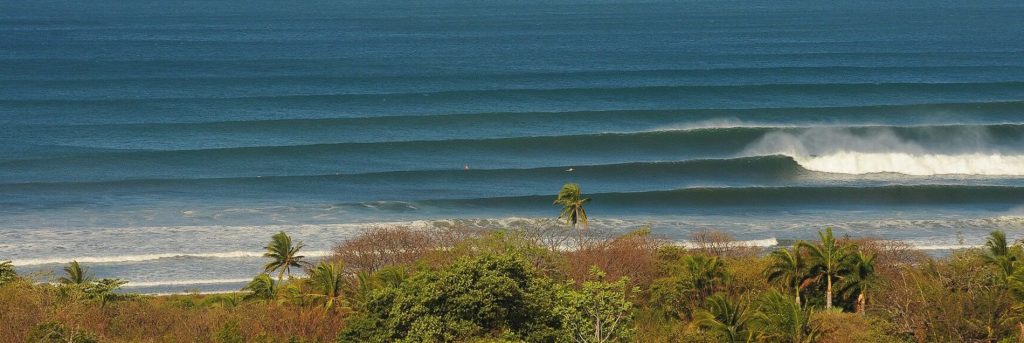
(381, 246)
(161, 319)
(632, 255)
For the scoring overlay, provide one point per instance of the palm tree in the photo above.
(76, 275)
(727, 318)
(570, 197)
(284, 255)
(705, 272)
(359, 289)
(328, 282)
(779, 319)
(1001, 254)
(261, 287)
(7, 273)
(788, 269)
(104, 290)
(827, 259)
(860, 276)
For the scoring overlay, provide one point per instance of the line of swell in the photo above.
(150, 257)
(671, 114)
(773, 164)
(734, 137)
(528, 74)
(830, 88)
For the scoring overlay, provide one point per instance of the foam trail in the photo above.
(755, 243)
(132, 284)
(151, 257)
(915, 164)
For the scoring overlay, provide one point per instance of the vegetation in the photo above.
(512, 284)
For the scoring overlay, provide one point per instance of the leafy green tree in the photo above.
(827, 259)
(726, 318)
(788, 269)
(779, 319)
(7, 273)
(261, 287)
(860, 276)
(571, 199)
(76, 275)
(598, 311)
(327, 281)
(284, 255)
(486, 296)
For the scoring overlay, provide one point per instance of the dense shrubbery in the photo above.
(513, 285)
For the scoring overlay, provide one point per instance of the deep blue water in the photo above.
(164, 142)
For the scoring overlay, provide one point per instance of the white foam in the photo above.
(755, 243)
(915, 164)
(881, 150)
(132, 284)
(151, 257)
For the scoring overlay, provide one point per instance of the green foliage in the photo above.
(7, 273)
(598, 311)
(230, 332)
(261, 287)
(727, 318)
(827, 258)
(104, 290)
(571, 199)
(485, 296)
(284, 255)
(327, 283)
(788, 269)
(75, 275)
(52, 332)
(780, 319)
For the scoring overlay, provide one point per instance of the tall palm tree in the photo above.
(727, 318)
(284, 255)
(570, 197)
(827, 259)
(860, 276)
(779, 319)
(76, 275)
(788, 269)
(328, 282)
(261, 287)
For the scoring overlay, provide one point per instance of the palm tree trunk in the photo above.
(861, 301)
(828, 295)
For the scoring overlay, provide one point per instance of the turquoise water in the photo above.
(165, 142)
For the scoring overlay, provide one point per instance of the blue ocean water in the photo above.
(164, 142)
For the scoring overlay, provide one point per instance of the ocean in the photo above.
(165, 142)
